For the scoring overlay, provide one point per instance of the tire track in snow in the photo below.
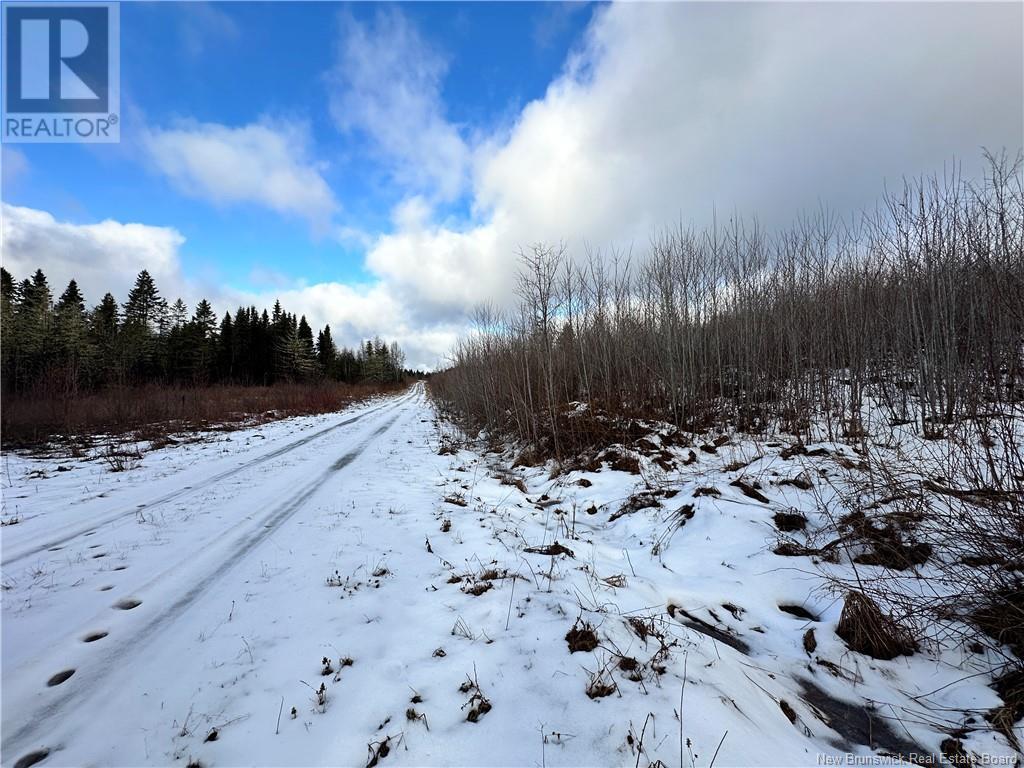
(73, 532)
(35, 722)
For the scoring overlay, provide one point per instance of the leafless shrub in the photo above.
(916, 306)
(121, 456)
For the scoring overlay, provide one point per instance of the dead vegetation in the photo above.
(1010, 687)
(601, 684)
(155, 414)
(552, 550)
(734, 329)
(868, 630)
(478, 704)
(581, 637)
(635, 503)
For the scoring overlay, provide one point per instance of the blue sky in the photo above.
(235, 63)
(378, 167)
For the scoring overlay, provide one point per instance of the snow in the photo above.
(253, 555)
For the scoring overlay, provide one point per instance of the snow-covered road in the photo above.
(167, 591)
(351, 589)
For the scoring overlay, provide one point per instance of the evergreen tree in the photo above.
(144, 307)
(204, 320)
(305, 334)
(226, 349)
(63, 348)
(144, 317)
(33, 320)
(71, 336)
(326, 352)
(178, 314)
(8, 301)
(103, 336)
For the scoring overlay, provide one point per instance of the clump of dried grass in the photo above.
(868, 630)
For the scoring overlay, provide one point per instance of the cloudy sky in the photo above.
(377, 167)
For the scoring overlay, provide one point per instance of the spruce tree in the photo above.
(8, 301)
(144, 306)
(305, 335)
(326, 352)
(178, 314)
(103, 336)
(33, 321)
(144, 318)
(226, 349)
(71, 335)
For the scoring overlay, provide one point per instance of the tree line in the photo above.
(62, 348)
(917, 307)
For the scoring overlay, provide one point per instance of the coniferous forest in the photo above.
(68, 367)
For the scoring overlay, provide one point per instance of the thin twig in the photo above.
(712, 763)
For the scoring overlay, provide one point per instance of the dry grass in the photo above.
(153, 412)
(866, 629)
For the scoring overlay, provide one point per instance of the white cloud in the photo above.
(356, 313)
(669, 109)
(664, 112)
(386, 84)
(101, 257)
(106, 256)
(265, 163)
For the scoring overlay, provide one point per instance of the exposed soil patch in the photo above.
(787, 710)
(622, 462)
(810, 642)
(789, 521)
(896, 555)
(750, 491)
(953, 750)
(889, 539)
(800, 481)
(799, 611)
(707, 491)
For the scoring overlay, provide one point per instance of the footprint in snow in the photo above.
(60, 677)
